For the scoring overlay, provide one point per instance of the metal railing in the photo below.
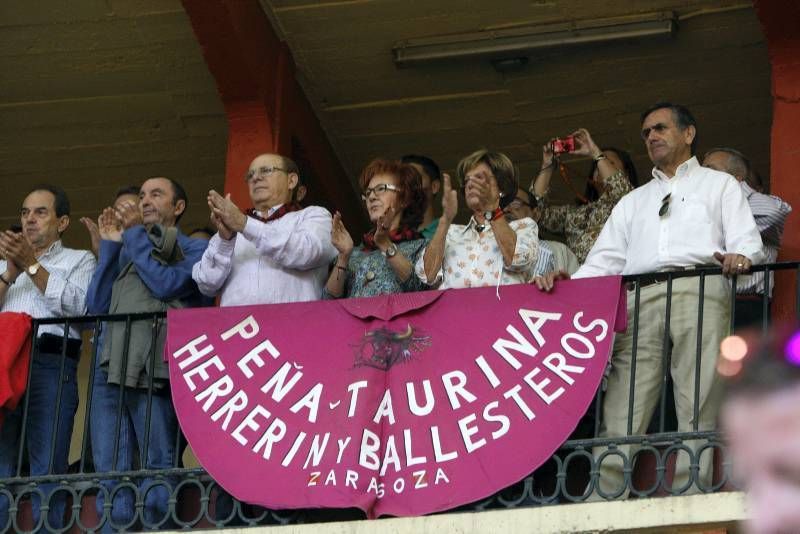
(189, 498)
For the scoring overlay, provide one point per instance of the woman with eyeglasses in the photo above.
(384, 262)
(611, 177)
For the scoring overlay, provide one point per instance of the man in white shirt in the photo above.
(553, 255)
(44, 279)
(770, 214)
(686, 217)
(277, 252)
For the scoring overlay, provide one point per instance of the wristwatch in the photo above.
(493, 215)
(390, 252)
(33, 269)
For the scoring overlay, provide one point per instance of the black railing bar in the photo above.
(653, 439)
(119, 317)
(122, 384)
(151, 363)
(59, 393)
(666, 357)
(797, 293)
(26, 404)
(732, 305)
(634, 348)
(650, 439)
(708, 270)
(765, 302)
(67, 478)
(89, 395)
(598, 408)
(699, 351)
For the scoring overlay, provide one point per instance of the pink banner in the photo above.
(399, 405)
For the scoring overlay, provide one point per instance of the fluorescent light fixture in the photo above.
(515, 42)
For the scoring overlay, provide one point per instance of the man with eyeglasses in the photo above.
(276, 252)
(553, 255)
(685, 218)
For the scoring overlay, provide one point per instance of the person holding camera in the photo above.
(611, 177)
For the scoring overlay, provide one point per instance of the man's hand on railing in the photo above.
(733, 264)
(548, 280)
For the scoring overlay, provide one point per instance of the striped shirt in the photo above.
(65, 295)
(546, 261)
(770, 214)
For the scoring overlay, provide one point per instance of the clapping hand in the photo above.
(109, 225)
(226, 212)
(449, 199)
(129, 214)
(340, 237)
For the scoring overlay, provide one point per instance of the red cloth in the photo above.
(15, 356)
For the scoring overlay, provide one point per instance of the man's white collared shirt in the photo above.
(707, 213)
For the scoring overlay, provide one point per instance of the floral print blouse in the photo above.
(369, 273)
(473, 258)
(582, 224)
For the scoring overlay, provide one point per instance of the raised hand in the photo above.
(109, 225)
(487, 192)
(94, 233)
(584, 144)
(340, 237)
(16, 250)
(382, 239)
(547, 154)
(228, 212)
(129, 215)
(224, 232)
(449, 199)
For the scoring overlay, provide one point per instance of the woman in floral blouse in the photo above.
(384, 262)
(488, 250)
(612, 176)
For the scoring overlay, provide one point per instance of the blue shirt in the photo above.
(165, 282)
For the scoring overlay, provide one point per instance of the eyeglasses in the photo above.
(664, 209)
(379, 190)
(261, 172)
(517, 203)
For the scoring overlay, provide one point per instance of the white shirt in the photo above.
(285, 260)
(65, 295)
(707, 213)
(473, 259)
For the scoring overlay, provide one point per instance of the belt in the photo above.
(52, 344)
(656, 278)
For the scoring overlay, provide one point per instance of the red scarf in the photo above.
(396, 236)
(277, 214)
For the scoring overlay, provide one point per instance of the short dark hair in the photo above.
(505, 172)
(428, 165)
(681, 115)
(61, 202)
(178, 193)
(409, 179)
(127, 190)
(628, 168)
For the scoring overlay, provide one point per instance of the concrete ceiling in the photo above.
(97, 94)
(716, 64)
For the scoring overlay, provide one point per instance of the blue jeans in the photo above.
(161, 452)
(41, 397)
